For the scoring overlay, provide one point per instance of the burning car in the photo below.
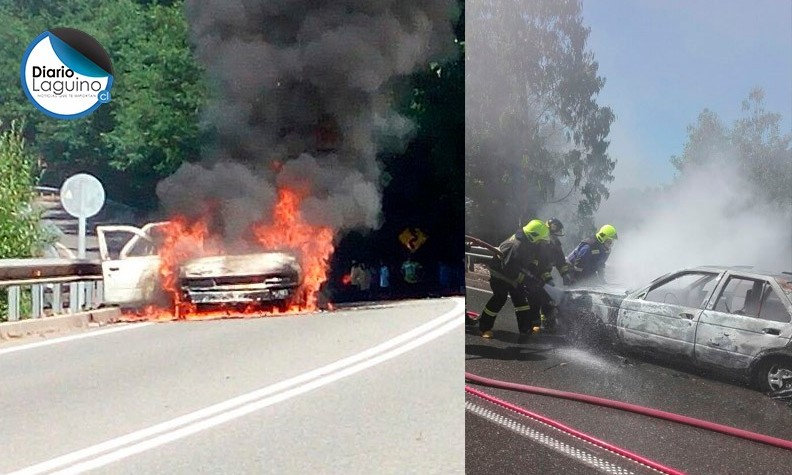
(132, 271)
(733, 320)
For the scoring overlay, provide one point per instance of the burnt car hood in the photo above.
(616, 291)
(240, 265)
(601, 299)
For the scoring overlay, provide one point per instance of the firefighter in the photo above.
(589, 257)
(552, 256)
(516, 274)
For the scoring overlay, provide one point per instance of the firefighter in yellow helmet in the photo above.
(589, 257)
(516, 274)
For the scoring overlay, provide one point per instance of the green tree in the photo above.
(765, 153)
(437, 106)
(535, 133)
(150, 126)
(20, 234)
(708, 140)
(754, 144)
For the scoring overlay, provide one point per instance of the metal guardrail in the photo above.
(37, 287)
(46, 190)
(476, 254)
(47, 193)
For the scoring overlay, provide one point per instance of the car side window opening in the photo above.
(771, 307)
(148, 246)
(708, 285)
(738, 297)
(143, 247)
(115, 242)
(752, 298)
(687, 290)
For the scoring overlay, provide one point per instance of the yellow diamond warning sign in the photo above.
(412, 238)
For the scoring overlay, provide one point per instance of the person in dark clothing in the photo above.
(589, 257)
(516, 274)
(552, 256)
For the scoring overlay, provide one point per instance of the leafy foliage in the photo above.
(150, 126)
(535, 133)
(437, 107)
(754, 143)
(20, 235)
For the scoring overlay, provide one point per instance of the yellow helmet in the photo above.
(607, 233)
(536, 230)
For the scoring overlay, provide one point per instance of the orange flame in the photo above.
(313, 245)
(183, 240)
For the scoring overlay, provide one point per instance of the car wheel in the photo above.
(774, 374)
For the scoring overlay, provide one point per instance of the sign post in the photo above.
(82, 196)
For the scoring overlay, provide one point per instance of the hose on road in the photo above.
(600, 443)
(623, 406)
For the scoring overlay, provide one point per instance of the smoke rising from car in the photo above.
(303, 99)
(711, 215)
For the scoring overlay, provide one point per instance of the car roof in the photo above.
(746, 270)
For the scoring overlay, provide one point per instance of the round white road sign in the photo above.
(82, 195)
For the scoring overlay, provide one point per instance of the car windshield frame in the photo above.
(641, 292)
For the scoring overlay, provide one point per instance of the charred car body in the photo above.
(131, 274)
(734, 320)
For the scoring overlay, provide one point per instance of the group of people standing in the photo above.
(370, 280)
(524, 266)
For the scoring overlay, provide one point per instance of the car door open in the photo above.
(130, 265)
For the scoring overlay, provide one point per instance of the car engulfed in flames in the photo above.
(181, 269)
(133, 275)
(242, 279)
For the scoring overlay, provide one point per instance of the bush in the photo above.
(20, 233)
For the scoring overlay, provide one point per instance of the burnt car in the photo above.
(131, 267)
(733, 320)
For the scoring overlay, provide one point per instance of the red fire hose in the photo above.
(576, 433)
(701, 424)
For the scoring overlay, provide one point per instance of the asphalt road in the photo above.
(552, 362)
(364, 391)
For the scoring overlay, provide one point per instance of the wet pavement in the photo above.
(551, 361)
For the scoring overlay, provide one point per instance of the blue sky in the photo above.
(664, 61)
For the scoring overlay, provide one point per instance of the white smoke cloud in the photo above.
(710, 216)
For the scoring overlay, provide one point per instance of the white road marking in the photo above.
(119, 328)
(580, 455)
(239, 406)
(64, 339)
(480, 290)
